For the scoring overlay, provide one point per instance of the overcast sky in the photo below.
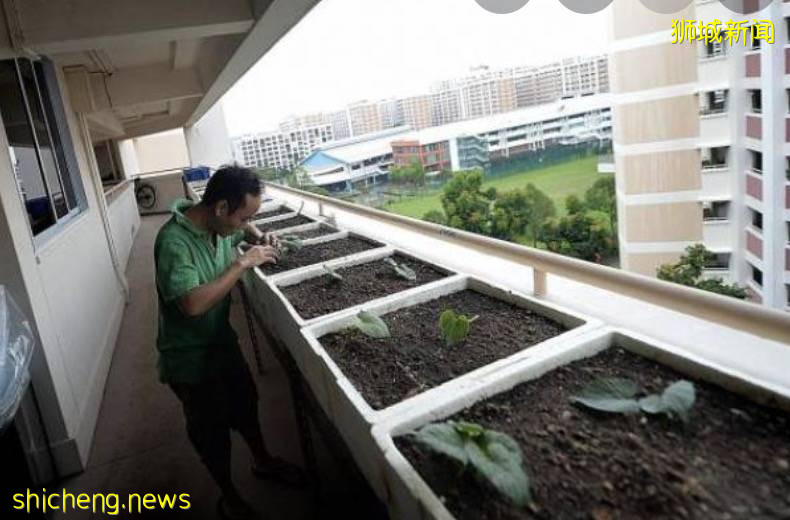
(348, 50)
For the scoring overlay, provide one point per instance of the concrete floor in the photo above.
(140, 443)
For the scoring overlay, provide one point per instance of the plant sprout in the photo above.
(617, 395)
(290, 244)
(371, 325)
(401, 270)
(333, 275)
(453, 328)
(494, 456)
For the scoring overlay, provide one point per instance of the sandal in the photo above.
(281, 471)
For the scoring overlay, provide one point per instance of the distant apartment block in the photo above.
(712, 167)
(283, 149)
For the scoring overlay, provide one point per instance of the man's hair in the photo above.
(232, 183)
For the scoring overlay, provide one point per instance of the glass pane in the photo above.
(22, 150)
(65, 178)
(46, 151)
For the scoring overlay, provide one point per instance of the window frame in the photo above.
(66, 165)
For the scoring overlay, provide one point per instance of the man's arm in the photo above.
(201, 299)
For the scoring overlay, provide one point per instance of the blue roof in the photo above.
(320, 161)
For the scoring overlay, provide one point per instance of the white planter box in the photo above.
(287, 323)
(260, 293)
(354, 417)
(334, 235)
(408, 496)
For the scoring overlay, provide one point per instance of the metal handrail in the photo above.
(723, 310)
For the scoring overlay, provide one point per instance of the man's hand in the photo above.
(269, 239)
(258, 255)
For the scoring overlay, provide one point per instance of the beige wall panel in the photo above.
(673, 222)
(660, 172)
(631, 19)
(659, 120)
(654, 67)
(648, 263)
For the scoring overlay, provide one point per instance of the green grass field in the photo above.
(559, 181)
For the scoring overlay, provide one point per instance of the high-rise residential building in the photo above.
(701, 147)
(446, 100)
(418, 111)
(364, 118)
(571, 77)
(283, 149)
(341, 124)
(390, 113)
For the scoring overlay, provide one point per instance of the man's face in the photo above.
(226, 223)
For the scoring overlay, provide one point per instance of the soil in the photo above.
(731, 460)
(287, 223)
(415, 358)
(282, 210)
(318, 253)
(321, 231)
(361, 283)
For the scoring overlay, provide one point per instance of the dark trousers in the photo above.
(226, 400)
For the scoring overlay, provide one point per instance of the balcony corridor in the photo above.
(140, 443)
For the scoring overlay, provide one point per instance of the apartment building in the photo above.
(282, 149)
(712, 166)
(418, 111)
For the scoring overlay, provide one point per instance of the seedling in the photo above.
(290, 244)
(493, 456)
(453, 327)
(617, 395)
(402, 270)
(333, 275)
(371, 325)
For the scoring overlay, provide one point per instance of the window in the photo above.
(713, 49)
(715, 102)
(757, 219)
(718, 210)
(757, 161)
(39, 144)
(714, 157)
(757, 276)
(756, 100)
(718, 261)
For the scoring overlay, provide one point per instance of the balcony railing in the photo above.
(727, 312)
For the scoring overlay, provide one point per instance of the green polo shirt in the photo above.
(187, 257)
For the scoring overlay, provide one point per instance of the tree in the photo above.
(435, 216)
(521, 212)
(689, 271)
(602, 197)
(577, 235)
(413, 174)
(574, 205)
(465, 203)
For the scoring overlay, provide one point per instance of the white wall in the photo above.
(128, 157)
(124, 220)
(162, 151)
(208, 141)
(76, 302)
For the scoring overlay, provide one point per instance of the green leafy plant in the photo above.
(618, 395)
(371, 325)
(289, 244)
(402, 270)
(454, 327)
(333, 275)
(495, 457)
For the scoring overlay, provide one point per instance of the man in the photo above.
(199, 356)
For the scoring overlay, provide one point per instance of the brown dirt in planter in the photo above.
(315, 233)
(282, 210)
(287, 223)
(731, 460)
(318, 253)
(362, 283)
(415, 358)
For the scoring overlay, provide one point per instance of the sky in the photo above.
(349, 50)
